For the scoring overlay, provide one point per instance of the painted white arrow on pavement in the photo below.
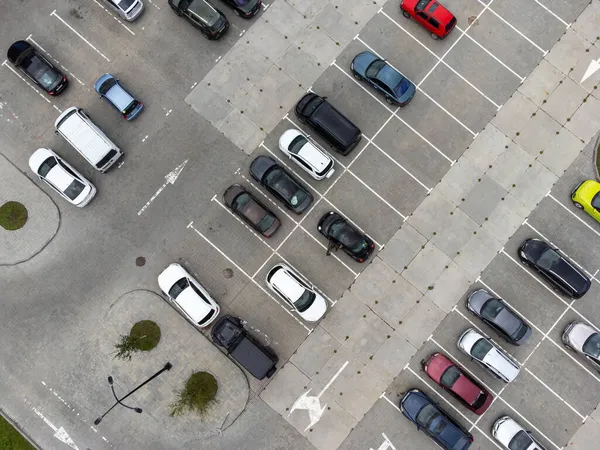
(170, 178)
(592, 69)
(59, 433)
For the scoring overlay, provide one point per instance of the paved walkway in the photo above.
(43, 216)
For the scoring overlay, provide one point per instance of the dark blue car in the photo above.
(434, 421)
(397, 89)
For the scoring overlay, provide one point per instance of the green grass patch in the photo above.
(11, 439)
(198, 395)
(143, 337)
(13, 216)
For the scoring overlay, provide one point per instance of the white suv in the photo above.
(312, 159)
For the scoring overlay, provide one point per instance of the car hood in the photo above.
(287, 137)
(588, 189)
(468, 339)
(412, 402)
(505, 429)
(169, 276)
(477, 299)
(316, 310)
(362, 61)
(437, 366)
(533, 248)
(261, 165)
(579, 333)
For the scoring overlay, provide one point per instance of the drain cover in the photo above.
(228, 273)
(140, 261)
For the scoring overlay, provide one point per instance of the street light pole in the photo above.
(119, 401)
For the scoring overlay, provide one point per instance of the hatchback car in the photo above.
(38, 69)
(498, 315)
(188, 296)
(586, 196)
(252, 211)
(432, 15)
(397, 89)
(554, 268)
(296, 292)
(129, 10)
(486, 354)
(281, 184)
(62, 177)
(244, 8)
(434, 421)
(344, 235)
(454, 380)
(203, 15)
(110, 89)
(313, 160)
(585, 340)
(513, 436)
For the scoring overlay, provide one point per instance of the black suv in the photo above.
(37, 68)
(202, 15)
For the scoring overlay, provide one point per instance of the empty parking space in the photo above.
(587, 306)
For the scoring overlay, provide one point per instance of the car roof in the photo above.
(119, 96)
(286, 283)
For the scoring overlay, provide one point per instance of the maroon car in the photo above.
(253, 212)
(454, 380)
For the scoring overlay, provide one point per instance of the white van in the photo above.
(89, 140)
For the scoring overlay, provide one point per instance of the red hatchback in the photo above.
(430, 14)
(454, 380)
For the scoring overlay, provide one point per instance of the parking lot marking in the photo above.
(552, 13)
(387, 444)
(154, 4)
(418, 86)
(53, 13)
(29, 38)
(550, 389)
(170, 178)
(443, 62)
(114, 17)
(57, 108)
(23, 79)
(573, 214)
(248, 276)
(378, 196)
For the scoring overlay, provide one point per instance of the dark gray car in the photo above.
(498, 315)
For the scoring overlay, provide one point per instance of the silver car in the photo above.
(585, 340)
(129, 10)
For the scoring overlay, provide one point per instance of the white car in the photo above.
(188, 296)
(312, 159)
(585, 340)
(513, 436)
(62, 177)
(487, 354)
(129, 10)
(297, 292)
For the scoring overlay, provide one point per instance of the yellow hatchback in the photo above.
(586, 196)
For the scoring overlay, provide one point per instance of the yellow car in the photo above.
(586, 196)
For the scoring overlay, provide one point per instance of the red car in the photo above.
(430, 14)
(454, 380)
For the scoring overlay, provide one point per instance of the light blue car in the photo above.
(109, 88)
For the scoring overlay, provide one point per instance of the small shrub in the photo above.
(198, 395)
(144, 336)
(13, 216)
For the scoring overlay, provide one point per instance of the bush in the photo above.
(144, 336)
(198, 395)
(13, 216)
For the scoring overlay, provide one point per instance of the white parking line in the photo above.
(552, 13)
(190, 225)
(27, 82)
(573, 214)
(114, 17)
(443, 62)
(154, 4)
(53, 13)
(29, 38)
(422, 91)
(378, 196)
(556, 395)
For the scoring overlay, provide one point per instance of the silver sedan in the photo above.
(585, 340)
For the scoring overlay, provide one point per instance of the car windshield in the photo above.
(125, 4)
(592, 345)
(305, 300)
(521, 441)
(178, 287)
(548, 259)
(46, 166)
(105, 87)
(286, 187)
(343, 233)
(74, 189)
(450, 376)
(427, 415)
(40, 71)
(297, 143)
(480, 349)
(374, 68)
(596, 201)
(491, 309)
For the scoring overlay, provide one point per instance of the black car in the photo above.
(281, 184)
(498, 315)
(37, 68)
(343, 234)
(434, 421)
(251, 210)
(554, 268)
(202, 15)
(244, 8)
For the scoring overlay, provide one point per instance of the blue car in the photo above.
(397, 89)
(109, 88)
(434, 421)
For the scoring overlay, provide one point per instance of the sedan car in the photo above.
(62, 177)
(244, 8)
(313, 160)
(554, 268)
(485, 353)
(434, 421)
(585, 340)
(110, 89)
(252, 211)
(129, 10)
(586, 196)
(296, 292)
(513, 436)
(344, 235)
(432, 15)
(497, 314)
(397, 89)
(454, 380)
(281, 184)
(203, 15)
(188, 296)
(38, 69)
